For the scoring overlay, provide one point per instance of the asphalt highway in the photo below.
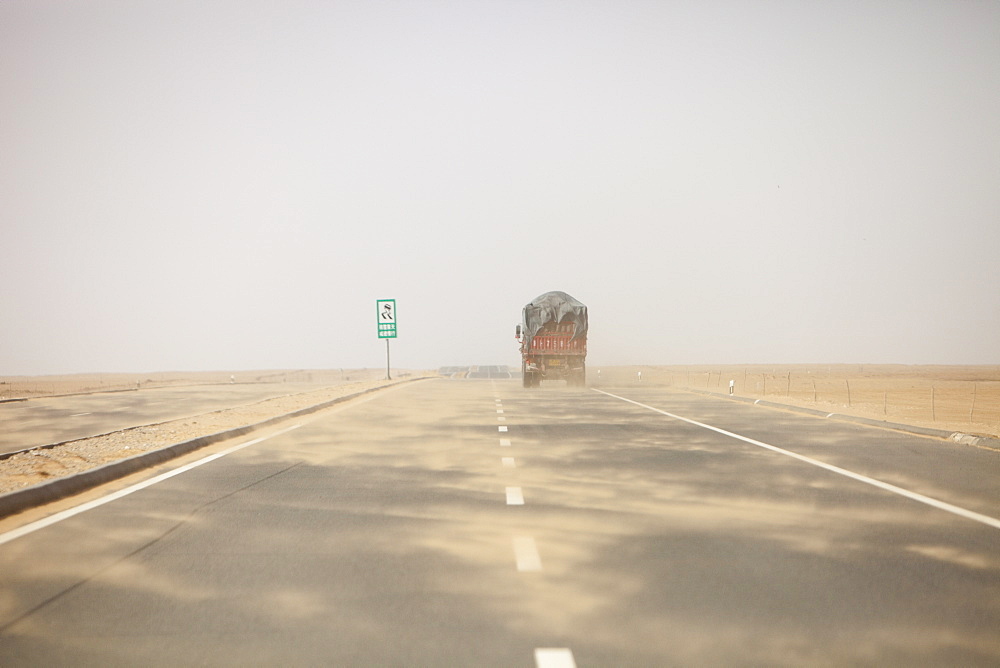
(465, 522)
(41, 421)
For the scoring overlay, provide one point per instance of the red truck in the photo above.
(553, 337)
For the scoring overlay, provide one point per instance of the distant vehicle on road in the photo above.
(553, 337)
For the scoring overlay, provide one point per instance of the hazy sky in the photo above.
(231, 185)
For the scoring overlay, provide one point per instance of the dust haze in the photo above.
(233, 186)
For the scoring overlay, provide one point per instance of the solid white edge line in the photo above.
(914, 496)
(90, 505)
(554, 657)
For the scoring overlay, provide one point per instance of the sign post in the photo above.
(386, 314)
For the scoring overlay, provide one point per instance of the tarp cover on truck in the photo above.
(556, 307)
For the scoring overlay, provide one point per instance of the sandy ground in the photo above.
(16, 387)
(42, 464)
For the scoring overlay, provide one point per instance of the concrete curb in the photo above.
(71, 394)
(60, 488)
(956, 437)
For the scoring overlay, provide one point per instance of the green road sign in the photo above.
(386, 318)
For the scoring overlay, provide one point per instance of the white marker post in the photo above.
(386, 314)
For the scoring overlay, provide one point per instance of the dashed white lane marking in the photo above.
(70, 512)
(515, 497)
(920, 498)
(554, 657)
(80, 414)
(526, 554)
(527, 558)
(501, 418)
(502, 427)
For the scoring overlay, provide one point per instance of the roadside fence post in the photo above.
(972, 411)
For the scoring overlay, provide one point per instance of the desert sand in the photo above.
(953, 398)
(14, 387)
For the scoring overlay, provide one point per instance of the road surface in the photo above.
(479, 523)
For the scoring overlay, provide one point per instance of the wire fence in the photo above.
(960, 398)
